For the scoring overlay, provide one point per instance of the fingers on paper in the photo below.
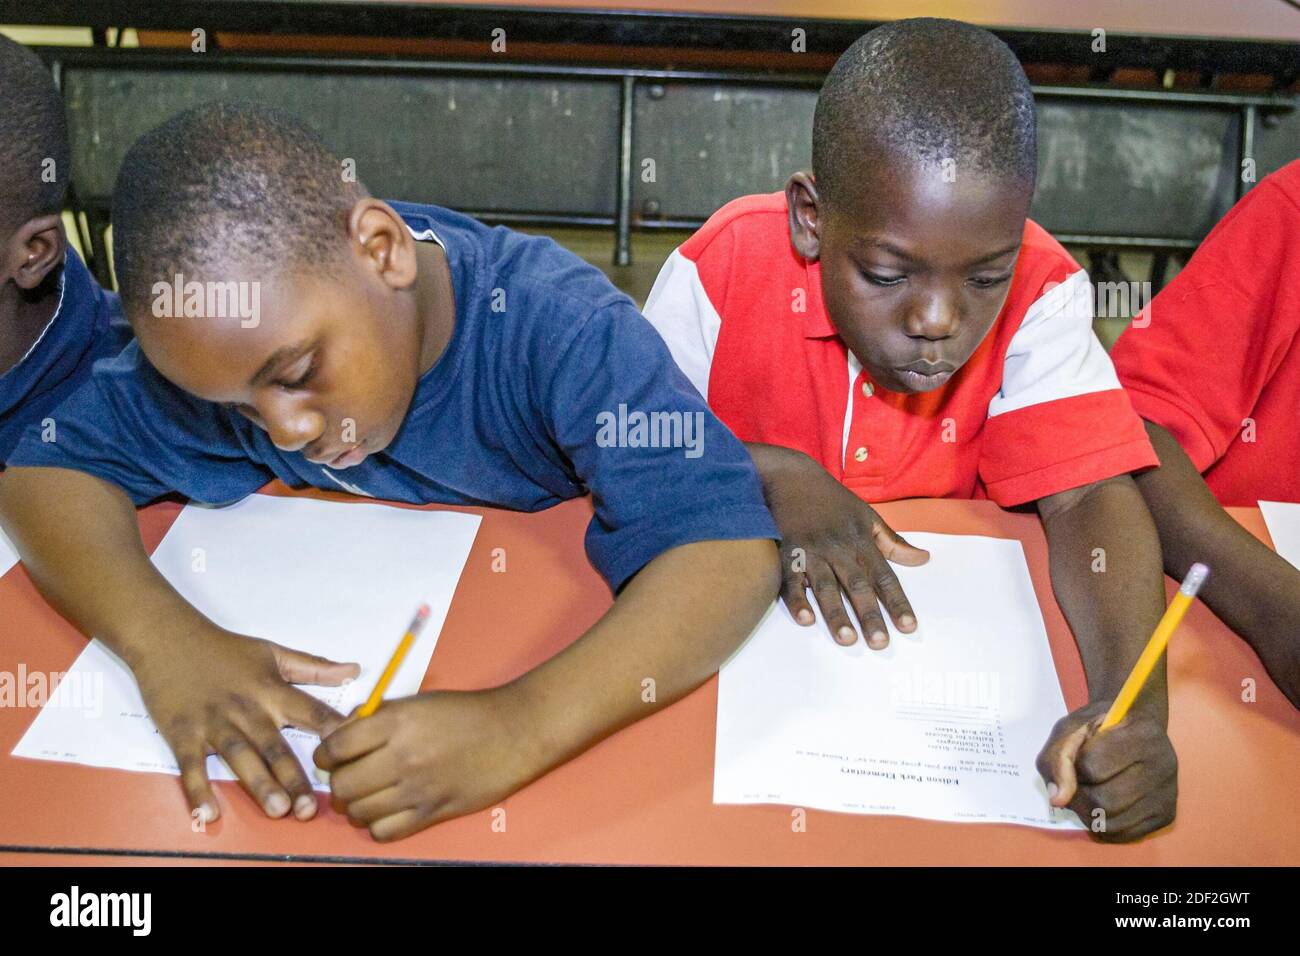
(300, 709)
(895, 547)
(246, 762)
(191, 757)
(826, 592)
(298, 667)
(794, 587)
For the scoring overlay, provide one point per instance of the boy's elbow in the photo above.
(765, 568)
(747, 569)
(755, 566)
(11, 487)
(753, 569)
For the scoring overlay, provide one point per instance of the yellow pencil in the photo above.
(399, 654)
(1196, 576)
(377, 695)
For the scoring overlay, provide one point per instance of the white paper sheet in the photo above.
(1283, 521)
(8, 554)
(944, 724)
(338, 580)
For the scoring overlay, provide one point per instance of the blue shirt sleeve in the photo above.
(661, 469)
(129, 426)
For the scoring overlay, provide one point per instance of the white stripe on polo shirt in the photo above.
(680, 310)
(1055, 354)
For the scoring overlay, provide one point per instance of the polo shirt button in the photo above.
(860, 454)
(868, 389)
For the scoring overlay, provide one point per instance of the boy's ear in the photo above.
(803, 207)
(35, 249)
(380, 236)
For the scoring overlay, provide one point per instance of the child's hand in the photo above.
(1130, 773)
(831, 541)
(231, 694)
(422, 759)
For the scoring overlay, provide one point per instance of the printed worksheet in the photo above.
(8, 554)
(943, 724)
(1283, 521)
(338, 580)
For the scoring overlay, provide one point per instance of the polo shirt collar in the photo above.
(58, 311)
(425, 234)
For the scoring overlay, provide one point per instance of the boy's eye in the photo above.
(302, 378)
(876, 278)
(988, 282)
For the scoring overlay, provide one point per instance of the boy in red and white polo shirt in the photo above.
(893, 326)
(1213, 365)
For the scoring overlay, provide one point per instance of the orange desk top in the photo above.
(644, 795)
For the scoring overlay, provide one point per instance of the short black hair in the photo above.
(33, 132)
(925, 90)
(226, 185)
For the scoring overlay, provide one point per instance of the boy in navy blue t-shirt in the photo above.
(55, 320)
(291, 326)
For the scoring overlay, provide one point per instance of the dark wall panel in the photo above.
(714, 142)
(549, 144)
(1134, 170)
(489, 144)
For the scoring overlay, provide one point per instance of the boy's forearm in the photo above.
(1249, 587)
(79, 540)
(1112, 611)
(674, 624)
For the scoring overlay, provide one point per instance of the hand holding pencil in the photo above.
(1114, 766)
(390, 671)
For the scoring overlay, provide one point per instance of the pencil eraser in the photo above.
(1196, 576)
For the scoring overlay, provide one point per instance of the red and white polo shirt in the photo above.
(1036, 410)
(1215, 359)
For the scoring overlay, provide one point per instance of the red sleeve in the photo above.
(1196, 360)
(1060, 419)
(1054, 446)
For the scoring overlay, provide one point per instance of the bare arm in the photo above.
(675, 623)
(1253, 590)
(1123, 782)
(1112, 611)
(207, 689)
(78, 538)
(423, 759)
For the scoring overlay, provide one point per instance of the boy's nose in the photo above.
(935, 317)
(292, 428)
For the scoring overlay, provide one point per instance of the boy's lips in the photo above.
(353, 456)
(923, 376)
(343, 459)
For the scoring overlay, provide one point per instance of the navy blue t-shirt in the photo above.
(86, 326)
(553, 386)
